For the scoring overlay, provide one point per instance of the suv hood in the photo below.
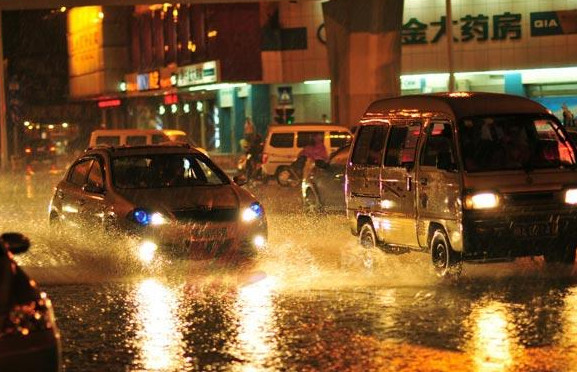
(179, 198)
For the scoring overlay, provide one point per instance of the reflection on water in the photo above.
(254, 308)
(493, 342)
(158, 336)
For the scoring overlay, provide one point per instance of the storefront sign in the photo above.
(554, 23)
(201, 73)
(481, 27)
(148, 81)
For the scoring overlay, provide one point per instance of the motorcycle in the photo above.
(251, 167)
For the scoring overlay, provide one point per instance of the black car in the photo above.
(168, 198)
(323, 189)
(29, 336)
(39, 149)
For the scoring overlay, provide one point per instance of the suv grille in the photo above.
(206, 215)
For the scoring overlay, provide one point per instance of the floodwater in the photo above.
(306, 304)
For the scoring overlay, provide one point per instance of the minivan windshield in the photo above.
(513, 142)
(165, 170)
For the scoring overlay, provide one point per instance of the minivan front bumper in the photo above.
(495, 235)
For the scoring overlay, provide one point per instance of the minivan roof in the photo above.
(458, 105)
(305, 126)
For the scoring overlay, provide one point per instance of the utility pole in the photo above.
(449, 27)
(3, 122)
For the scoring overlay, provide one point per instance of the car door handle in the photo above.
(423, 181)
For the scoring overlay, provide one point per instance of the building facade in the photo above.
(205, 68)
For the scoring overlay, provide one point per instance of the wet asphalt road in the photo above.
(304, 305)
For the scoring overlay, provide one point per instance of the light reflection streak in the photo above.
(493, 343)
(158, 337)
(570, 322)
(255, 313)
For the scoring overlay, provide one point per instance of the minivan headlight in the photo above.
(484, 200)
(252, 213)
(571, 196)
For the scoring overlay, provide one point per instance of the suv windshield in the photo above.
(511, 142)
(165, 170)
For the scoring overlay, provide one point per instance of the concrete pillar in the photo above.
(364, 47)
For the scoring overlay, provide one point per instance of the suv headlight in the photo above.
(144, 217)
(253, 212)
(571, 196)
(483, 200)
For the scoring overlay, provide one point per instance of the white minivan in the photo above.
(463, 177)
(139, 137)
(283, 143)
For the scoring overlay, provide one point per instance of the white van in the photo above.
(137, 137)
(127, 137)
(284, 142)
(463, 177)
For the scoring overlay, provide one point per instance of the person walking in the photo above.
(568, 118)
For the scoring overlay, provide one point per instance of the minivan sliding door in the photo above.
(397, 202)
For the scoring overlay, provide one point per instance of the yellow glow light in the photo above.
(212, 33)
(571, 196)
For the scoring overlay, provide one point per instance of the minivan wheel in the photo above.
(446, 262)
(369, 248)
(311, 203)
(561, 255)
(283, 177)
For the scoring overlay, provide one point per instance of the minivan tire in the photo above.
(446, 262)
(561, 255)
(369, 246)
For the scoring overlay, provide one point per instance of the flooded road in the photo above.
(306, 304)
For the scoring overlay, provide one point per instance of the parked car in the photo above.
(284, 142)
(170, 197)
(463, 176)
(29, 336)
(324, 188)
(39, 149)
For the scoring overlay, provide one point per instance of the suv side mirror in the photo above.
(240, 179)
(445, 162)
(15, 242)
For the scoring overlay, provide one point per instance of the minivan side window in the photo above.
(437, 145)
(108, 140)
(339, 139)
(135, 140)
(282, 140)
(402, 145)
(307, 138)
(369, 145)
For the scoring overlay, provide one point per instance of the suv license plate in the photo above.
(534, 230)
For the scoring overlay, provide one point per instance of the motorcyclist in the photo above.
(313, 154)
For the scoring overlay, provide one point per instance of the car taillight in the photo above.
(264, 158)
(28, 150)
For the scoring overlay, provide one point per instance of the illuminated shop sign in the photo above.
(201, 73)
(148, 81)
(482, 27)
(109, 103)
(554, 23)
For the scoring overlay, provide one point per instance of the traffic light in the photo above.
(284, 115)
